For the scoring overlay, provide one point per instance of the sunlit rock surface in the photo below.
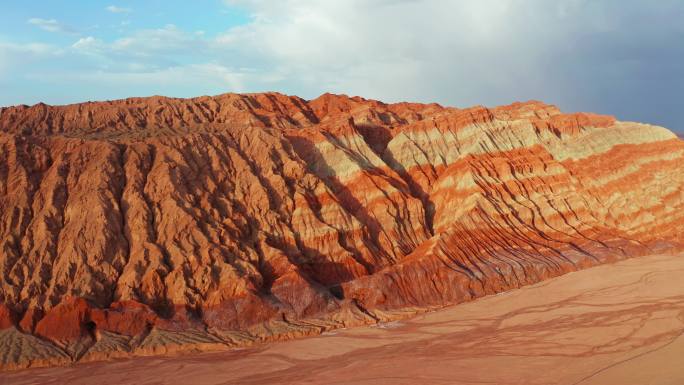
(156, 225)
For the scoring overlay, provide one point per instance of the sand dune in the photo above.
(613, 324)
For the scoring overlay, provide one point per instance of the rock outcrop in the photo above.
(155, 225)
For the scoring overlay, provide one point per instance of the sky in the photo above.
(619, 57)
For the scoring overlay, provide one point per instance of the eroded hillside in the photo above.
(149, 225)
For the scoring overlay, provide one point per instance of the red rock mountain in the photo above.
(150, 225)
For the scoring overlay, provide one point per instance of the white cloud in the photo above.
(115, 9)
(205, 73)
(149, 49)
(52, 25)
(35, 49)
(456, 52)
(387, 49)
(153, 52)
(160, 81)
(162, 41)
(88, 45)
(390, 49)
(14, 56)
(580, 54)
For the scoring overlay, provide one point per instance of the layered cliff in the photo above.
(151, 225)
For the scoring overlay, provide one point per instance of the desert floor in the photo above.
(616, 324)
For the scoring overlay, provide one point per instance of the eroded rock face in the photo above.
(151, 225)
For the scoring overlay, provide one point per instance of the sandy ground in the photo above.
(617, 324)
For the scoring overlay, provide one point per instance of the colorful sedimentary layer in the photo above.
(152, 225)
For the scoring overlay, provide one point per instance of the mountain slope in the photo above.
(150, 225)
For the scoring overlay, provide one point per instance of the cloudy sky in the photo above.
(621, 57)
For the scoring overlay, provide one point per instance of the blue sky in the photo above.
(621, 57)
(70, 51)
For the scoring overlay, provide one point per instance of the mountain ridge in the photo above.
(151, 225)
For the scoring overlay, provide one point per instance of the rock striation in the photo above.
(156, 225)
